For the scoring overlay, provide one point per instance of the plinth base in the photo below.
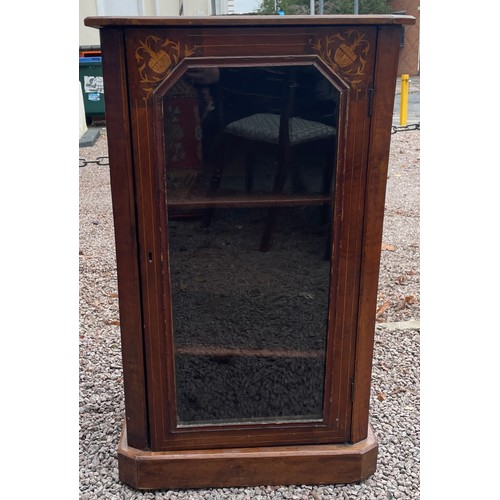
(233, 467)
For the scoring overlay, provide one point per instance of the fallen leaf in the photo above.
(381, 396)
(391, 248)
(113, 323)
(397, 391)
(410, 299)
(400, 279)
(400, 305)
(382, 308)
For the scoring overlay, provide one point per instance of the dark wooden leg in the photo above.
(215, 180)
(279, 183)
(329, 239)
(326, 210)
(249, 163)
(330, 167)
(272, 215)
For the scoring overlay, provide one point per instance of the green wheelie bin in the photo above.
(92, 87)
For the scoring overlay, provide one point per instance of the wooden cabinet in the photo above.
(248, 163)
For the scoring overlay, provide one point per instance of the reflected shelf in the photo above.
(264, 353)
(249, 201)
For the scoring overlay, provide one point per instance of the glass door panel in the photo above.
(250, 163)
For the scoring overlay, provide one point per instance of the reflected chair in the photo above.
(267, 119)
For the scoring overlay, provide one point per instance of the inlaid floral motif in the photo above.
(157, 58)
(346, 54)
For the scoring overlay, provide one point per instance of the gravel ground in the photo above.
(395, 414)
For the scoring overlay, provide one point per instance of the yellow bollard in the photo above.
(403, 108)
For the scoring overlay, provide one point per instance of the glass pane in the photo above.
(250, 159)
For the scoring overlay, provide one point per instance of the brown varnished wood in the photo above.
(277, 465)
(280, 200)
(156, 452)
(192, 21)
(159, 348)
(378, 147)
(152, 277)
(347, 242)
(125, 225)
(268, 353)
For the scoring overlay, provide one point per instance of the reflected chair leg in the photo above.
(327, 185)
(207, 218)
(272, 214)
(327, 209)
(249, 163)
(214, 183)
(329, 240)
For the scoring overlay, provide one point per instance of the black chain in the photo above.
(405, 128)
(100, 160)
(104, 160)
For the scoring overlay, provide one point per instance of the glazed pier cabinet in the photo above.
(248, 163)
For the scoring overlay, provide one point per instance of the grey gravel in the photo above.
(395, 409)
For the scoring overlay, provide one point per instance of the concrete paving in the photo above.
(413, 324)
(90, 137)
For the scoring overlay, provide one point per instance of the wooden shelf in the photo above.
(249, 201)
(263, 353)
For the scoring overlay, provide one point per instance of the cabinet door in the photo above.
(248, 344)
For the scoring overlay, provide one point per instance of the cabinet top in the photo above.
(269, 20)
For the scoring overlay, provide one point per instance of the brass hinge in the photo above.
(371, 92)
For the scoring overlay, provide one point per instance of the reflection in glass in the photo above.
(249, 163)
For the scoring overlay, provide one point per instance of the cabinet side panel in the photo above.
(358, 72)
(380, 138)
(122, 191)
